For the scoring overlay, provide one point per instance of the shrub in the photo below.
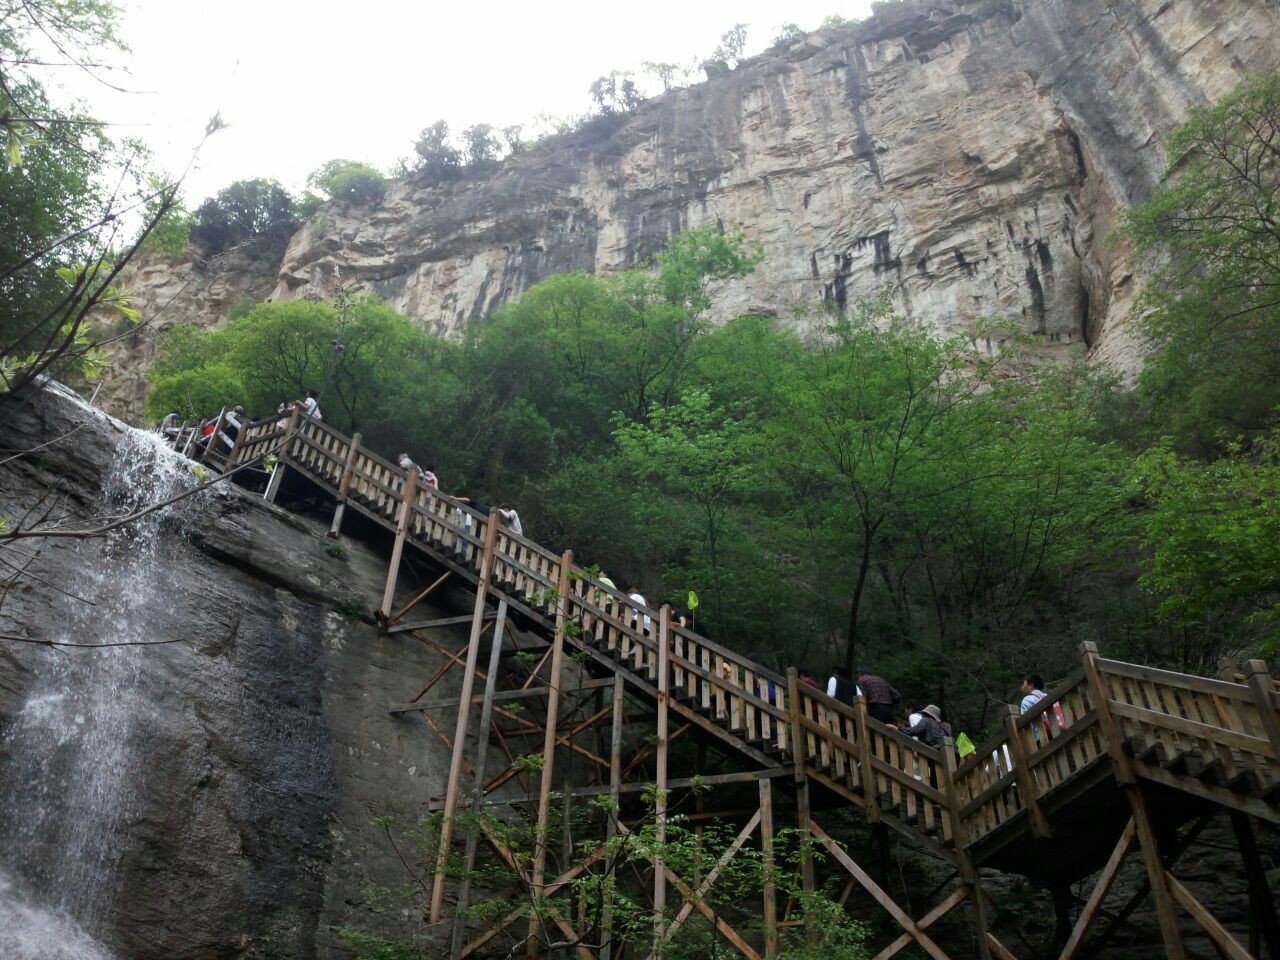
(350, 182)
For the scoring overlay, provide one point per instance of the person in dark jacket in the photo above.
(839, 686)
(929, 730)
(881, 696)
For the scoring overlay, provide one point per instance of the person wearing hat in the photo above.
(929, 729)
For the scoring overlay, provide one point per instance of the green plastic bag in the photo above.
(965, 745)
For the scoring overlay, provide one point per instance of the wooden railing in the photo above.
(1214, 737)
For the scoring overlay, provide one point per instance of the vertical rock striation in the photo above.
(971, 155)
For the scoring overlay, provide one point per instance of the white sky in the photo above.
(302, 83)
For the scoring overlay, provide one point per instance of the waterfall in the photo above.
(75, 753)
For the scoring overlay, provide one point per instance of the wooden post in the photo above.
(1262, 905)
(660, 771)
(1258, 678)
(866, 773)
(282, 458)
(611, 824)
(482, 757)
(1023, 776)
(549, 746)
(460, 730)
(807, 884)
(235, 447)
(203, 455)
(403, 519)
(1161, 895)
(766, 850)
(968, 873)
(343, 483)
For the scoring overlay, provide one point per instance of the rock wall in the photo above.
(254, 750)
(972, 155)
(971, 159)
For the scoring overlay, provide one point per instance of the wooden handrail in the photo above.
(975, 797)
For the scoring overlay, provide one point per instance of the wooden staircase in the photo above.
(1108, 728)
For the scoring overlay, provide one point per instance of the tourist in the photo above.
(880, 694)
(169, 425)
(929, 730)
(839, 686)
(807, 677)
(408, 466)
(633, 594)
(1032, 691)
(311, 405)
(511, 518)
(428, 477)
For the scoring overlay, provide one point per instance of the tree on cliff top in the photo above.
(256, 211)
(349, 181)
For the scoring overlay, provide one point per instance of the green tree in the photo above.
(871, 414)
(1214, 539)
(787, 33)
(350, 182)
(732, 44)
(1213, 309)
(438, 158)
(699, 453)
(480, 147)
(258, 211)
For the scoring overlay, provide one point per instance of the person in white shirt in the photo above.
(511, 519)
(634, 594)
(311, 405)
(1032, 692)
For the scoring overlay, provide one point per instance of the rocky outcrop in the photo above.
(191, 289)
(971, 155)
(209, 797)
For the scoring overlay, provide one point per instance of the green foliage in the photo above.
(732, 43)
(354, 606)
(615, 93)
(172, 231)
(787, 33)
(349, 181)
(257, 211)
(1214, 541)
(367, 947)
(1214, 307)
(480, 147)
(438, 159)
(336, 550)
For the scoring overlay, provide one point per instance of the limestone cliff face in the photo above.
(973, 162)
(972, 155)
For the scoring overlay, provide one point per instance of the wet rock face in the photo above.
(971, 155)
(260, 746)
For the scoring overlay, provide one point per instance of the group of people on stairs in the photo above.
(923, 723)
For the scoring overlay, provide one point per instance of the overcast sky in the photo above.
(302, 83)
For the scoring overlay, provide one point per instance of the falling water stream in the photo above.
(74, 751)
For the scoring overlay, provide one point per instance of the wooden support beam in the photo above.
(611, 822)
(482, 758)
(422, 595)
(344, 482)
(1100, 890)
(959, 838)
(1161, 894)
(770, 892)
(660, 774)
(807, 882)
(434, 624)
(700, 892)
(837, 852)
(1262, 905)
(1218, 934)
(1024, 775)
(460, 730)
(933, 916)
(403, 516)
(501, 696)
(549, 745)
